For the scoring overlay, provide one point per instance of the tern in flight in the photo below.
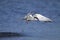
(38, 17)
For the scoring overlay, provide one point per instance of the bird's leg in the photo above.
(27, 21)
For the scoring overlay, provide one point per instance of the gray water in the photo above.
(12, 12)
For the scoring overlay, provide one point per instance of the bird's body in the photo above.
(39, 17)
(42, 18)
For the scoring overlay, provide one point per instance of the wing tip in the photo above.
(49, 21)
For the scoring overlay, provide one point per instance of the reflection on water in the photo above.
(10, 34)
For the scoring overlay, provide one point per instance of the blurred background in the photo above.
(12, 12)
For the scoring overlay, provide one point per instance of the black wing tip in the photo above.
(48, 21)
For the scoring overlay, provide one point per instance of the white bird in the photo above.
(39, 17)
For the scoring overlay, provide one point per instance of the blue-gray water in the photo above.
(12, 12)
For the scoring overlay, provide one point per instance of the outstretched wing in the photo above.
(42, 18)
(31, 13)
